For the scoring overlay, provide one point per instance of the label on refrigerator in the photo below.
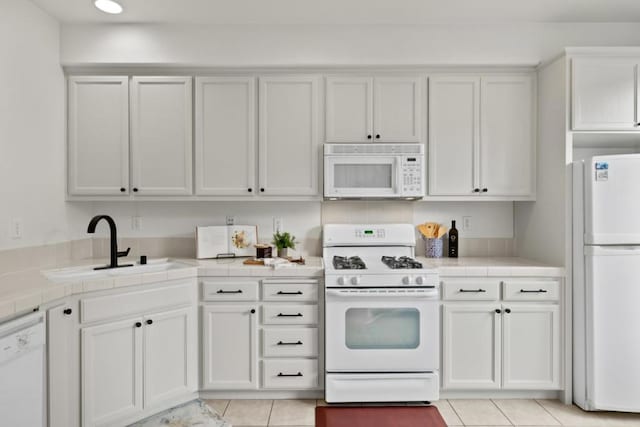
(602, 171)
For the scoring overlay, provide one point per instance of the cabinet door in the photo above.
(604, 94)
(63, 349)
(397, 109)
(225, 126)
(531, 347)
(161, 143)
(288, 157)
(471, 329)
(111, 372)
(349, 109)
(454, 134)
(170, 356)
(230, 344)
(98, 139)
(507, 147)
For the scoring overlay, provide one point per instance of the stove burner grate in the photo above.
(403, 262)
(348, 263)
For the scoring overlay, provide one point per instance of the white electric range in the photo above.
(382, 316)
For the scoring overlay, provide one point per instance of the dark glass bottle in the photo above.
(453, 241)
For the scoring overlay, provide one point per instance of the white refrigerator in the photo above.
(606, 283)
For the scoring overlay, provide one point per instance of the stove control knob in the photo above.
(355, 280)
(406, 280)
(342, 280)
(421, 280)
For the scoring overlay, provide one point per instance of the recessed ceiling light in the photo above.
(108, 6)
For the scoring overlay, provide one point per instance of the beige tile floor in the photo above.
(459, 412)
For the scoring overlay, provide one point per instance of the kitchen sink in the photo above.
(87, 272)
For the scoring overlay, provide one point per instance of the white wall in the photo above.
(32, 146)
(241, 45)
(540, 226)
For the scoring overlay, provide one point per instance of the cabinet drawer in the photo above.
(298, 342)
(136, 303)
(290, 374)
(531, 290)
(290, 291)
(471, 289)
(292, 314)
(236, 290)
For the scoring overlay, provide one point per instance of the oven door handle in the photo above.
(339, 293)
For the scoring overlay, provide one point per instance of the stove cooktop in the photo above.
(348, 263)
(401, 263)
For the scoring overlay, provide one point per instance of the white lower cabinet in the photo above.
(230, 347)
(531, 347)
(112, 375)
(502, 344)
(284, 354)
(471, 341)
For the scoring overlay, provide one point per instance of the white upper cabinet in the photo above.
(604, 93)
(454, 134)
(397, 112)
(482, 136)
(161, 142)
(380, 109)
(288, 136)
(98, 135)
(349, 109)
(507, 149)
(225, 131)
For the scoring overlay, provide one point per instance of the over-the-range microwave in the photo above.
(374, 171)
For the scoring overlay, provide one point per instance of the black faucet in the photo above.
(114, 241)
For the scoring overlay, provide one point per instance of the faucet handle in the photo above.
(124, 253)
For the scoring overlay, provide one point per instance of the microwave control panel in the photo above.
(412, 176)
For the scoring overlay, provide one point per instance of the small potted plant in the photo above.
(284, 241)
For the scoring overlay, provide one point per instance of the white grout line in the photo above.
(224, 411)
(454, 411)
(270, 411)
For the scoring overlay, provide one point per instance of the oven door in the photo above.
(362, 176)
(382, 330)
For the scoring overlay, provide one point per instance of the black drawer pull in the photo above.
(290, 343)
(67, 311)
(539, 291)
(299, 374)
(473, 290)
(220, 291)
(290, 293)
(289, 315)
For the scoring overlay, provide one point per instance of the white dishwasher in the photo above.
(22, 372)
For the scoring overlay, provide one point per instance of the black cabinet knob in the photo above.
(135, 190)
(476, 190)
(149, 322)
(138, 325)
(253, 310)
(249, 190)
(368, 136)
(484, 190)
(67, 311)
(507, 310)
(122, 189)
(378, 136)
(262, 190)
(498, 311)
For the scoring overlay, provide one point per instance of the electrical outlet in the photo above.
(231, 219)
(136, 222)
(466, 223)
(277, 225)
(15, 229)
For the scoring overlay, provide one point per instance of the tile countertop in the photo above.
(485, 267)
(25, 290)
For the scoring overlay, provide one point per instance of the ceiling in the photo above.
(355, 12)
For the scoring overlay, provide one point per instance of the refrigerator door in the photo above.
(612, 200)
(613, 327)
